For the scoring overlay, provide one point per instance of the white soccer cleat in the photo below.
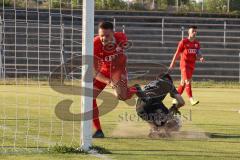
(193, 102)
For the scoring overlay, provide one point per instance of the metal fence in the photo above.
(225, 29)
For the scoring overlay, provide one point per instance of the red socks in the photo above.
(189, 90)
(181, 89)
(96, 121)
(131, 91)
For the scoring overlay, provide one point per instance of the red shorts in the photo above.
(187, 71)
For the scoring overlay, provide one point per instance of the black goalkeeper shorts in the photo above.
(155, 113)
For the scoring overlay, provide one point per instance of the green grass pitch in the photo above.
(213, 133)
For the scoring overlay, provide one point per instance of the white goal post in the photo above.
(87, 73)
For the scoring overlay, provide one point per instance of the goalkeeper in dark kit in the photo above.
(150, 108)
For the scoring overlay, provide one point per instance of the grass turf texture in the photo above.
(213, 133)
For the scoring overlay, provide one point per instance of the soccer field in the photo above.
(211, 130)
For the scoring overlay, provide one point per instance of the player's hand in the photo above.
(119, 49)
(174, 110)
(109, 47)
(112, 84)
(170, 69)
(202, 60)
(120, 83)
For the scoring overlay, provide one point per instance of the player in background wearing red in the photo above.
(110, 68)
(189, 50)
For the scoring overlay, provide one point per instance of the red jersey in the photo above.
(106, 61)
(189, 52)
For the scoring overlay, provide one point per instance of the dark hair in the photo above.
(193, 27)
(105, 25)
(165, 76)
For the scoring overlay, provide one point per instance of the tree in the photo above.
(216, 5)
(235, 5)
(111, 4)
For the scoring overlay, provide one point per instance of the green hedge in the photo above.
(210, 6)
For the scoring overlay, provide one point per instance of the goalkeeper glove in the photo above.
(174, 110)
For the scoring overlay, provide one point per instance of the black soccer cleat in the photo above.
(98, 134)
(140, 93)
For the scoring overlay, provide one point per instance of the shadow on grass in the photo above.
(172, 150)
(212, 138)
(177, 153)
(217, 125)
(180, 155)
(222, 135)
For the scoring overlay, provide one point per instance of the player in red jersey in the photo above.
(110, 68)
(189, 50)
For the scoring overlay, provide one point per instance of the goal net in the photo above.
(40, 73)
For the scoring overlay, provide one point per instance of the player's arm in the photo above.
(97, 64)
(175, 107)
(177, 55)
(123, 42)
(102, 78)
(174, 94)
(200, 56)
(180, 101)
(99, 76)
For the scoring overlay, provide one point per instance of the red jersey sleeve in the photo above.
(97, 51)
(120, 37)
(199, 46)
(180, 47)
(97, 46)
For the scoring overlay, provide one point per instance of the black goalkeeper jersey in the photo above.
(152, 110)
(158, 89)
